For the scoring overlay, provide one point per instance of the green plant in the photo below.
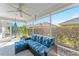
(25, 31)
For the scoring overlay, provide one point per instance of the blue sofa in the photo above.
(38, 44)
(20, 46)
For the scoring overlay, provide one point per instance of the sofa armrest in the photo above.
(52, 50)
(49, 49)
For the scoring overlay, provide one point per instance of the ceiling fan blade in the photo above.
(12, 11)
(13, 6)
(20, 10)
(25, 13)
(20, 14)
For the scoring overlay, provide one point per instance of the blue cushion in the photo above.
(37, 38)
(33, 44)
(30, 42)
(42, 49)
(43, 40)
(52, 42)
(34, 37)
(36, 46)
(47, 42)
(40, 39)
(20, 44)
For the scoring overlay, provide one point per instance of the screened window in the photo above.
(66, 35)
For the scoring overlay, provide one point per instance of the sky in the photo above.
(57, 18)
(66, 15)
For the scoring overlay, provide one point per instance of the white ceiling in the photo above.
(38, 9)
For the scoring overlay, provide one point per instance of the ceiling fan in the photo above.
(19, 9)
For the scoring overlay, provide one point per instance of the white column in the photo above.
(33, 25)
(3, 30)
(50, 26)
(10, 30)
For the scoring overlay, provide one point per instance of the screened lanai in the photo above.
(23, 20)
(29, 13)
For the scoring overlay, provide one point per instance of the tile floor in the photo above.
(8, 49)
